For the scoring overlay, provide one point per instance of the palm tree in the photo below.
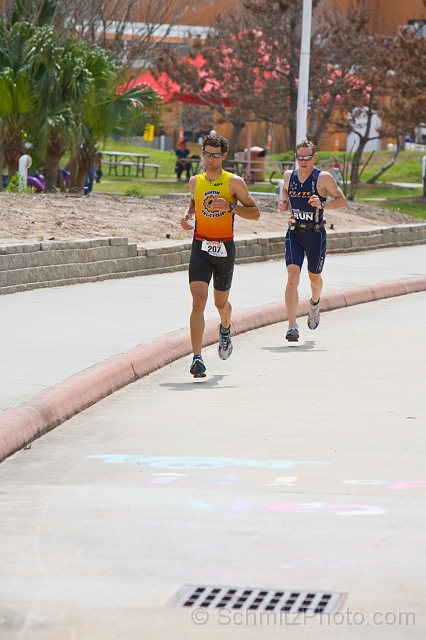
(69, 90)
(17, 92)
(17, 101)
(104, 110)
(62, 85)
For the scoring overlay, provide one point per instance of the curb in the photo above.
(22, 424)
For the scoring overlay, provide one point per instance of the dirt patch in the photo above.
(25, 217)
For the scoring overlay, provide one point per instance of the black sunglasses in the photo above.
(304, 157)
(207, 154)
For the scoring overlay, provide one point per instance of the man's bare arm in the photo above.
(248, 208)
(190, 211)
(284, 204)
(327, 185)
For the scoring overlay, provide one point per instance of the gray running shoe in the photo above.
(224, 348)
(292, 334)
(313, 315)
(198, 368)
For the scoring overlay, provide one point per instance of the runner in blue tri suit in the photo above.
(305, 193)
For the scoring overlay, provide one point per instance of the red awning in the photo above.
(169, 90)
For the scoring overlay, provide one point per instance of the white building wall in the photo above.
(372, 145)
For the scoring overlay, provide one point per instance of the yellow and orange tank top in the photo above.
(210, 223)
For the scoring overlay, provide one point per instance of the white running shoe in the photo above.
(224, 348)
(292, 334)
(313, 315)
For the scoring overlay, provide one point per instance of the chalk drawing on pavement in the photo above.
(182, 462)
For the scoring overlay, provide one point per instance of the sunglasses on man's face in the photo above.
(207, 154)
(304, 157)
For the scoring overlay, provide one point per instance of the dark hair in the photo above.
(306, 144)
(216, 141)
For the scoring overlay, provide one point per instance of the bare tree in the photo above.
(196, 118)
(335, 53)
(131, 28)
(240, 69)
(206, 76)
(405, 107)
(252, 58)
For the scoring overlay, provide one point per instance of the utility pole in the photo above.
(303, 88)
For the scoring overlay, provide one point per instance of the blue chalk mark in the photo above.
(182, 462)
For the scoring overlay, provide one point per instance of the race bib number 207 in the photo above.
(217, 249)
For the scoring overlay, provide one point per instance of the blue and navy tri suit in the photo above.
(305, 240)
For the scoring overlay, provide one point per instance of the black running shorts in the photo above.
(202, 266)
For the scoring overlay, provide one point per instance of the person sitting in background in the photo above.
(98, 166)
(88, 185)
(182, 163)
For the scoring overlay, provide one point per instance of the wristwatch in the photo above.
(231, 206)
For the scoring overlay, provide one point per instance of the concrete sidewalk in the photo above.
(51, 334)
(291, 467)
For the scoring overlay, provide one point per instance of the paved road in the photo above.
(50, 334)
(291, 467)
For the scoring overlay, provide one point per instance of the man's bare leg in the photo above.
(223, 306)
(199, 291)
(291, 292)
(316, 286)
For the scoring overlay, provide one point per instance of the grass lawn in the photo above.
(138, 188)
(415, 209)
(407, 167)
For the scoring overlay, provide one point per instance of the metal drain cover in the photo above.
(234, 598)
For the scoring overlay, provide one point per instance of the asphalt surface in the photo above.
(293, 467)
(51, 334)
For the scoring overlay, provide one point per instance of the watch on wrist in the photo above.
(231, 207)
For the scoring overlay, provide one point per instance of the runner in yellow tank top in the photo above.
(216, 197)
(212, 223)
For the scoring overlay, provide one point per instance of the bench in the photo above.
(126, 167)
(154, 166)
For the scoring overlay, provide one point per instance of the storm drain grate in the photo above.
(289, 601)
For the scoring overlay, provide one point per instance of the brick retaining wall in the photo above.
(52, 264)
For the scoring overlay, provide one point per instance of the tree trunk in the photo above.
(1, 164)
(72, 167)
(13, 149)
(387, 166)
(55, 151)
(51, 173)
(235, 134)
(61, 182)
(363, 139)
(86, 157)
(2, 140)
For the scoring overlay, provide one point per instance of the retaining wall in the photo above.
(53, 264)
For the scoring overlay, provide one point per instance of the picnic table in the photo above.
(240, 168)
(125, 160)
(195, 165)
(279, 166)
